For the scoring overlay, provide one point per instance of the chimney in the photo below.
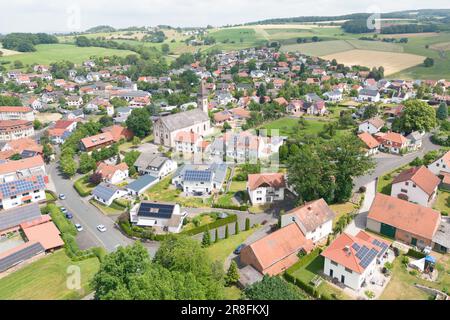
(347, 250)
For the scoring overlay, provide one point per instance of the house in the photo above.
(22, 191)
(165, 129)
(25, 147)
(106, 193)
(15, 129)
(317, 108)
(371, 126)
(333, 96)
(187, 142)
(118, 132)
(415, 140)
(295, 106)
(155, 165)
(266, 187)
(441, 165)
(74, 101)
(312, 97)
(352, 259)
(418, 185)
(61, 130)
(370, 95)
(122, 114)
(276, 252)
(113, 173)
(200, 179)
(402, 220)
(371, 144)
(75, 114)
(315, 220)
(28, 167)
(141, 184)
(99, 141)
(163, 216)
(16, 113)
(392, 142)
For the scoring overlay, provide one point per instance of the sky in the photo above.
(79, 15)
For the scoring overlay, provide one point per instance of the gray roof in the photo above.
(184, 119)
(442, 235)
(105, 190)
(368, 92)
(415, 136)
(14, 217)
(151, 160)
(198, 175)
(219, 171)
(141, 183)
(20, 255)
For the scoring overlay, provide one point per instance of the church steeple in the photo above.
(202, 97)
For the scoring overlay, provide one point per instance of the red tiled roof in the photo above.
(421, 176)
(274, 180)
(312, 215)
(118, 132)
(97, 140)
(370, 141)
(46, 233)
(107, 171)
(15, 109)
(13, 166)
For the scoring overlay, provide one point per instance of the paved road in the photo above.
(388, 162)
(360, 221)
(87, 215)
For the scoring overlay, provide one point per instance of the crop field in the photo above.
(48, 53)
(391, 61)
(443, 46)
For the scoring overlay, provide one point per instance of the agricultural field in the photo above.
(49, 53)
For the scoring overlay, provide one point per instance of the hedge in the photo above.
(122, 203)
(80, 188)
(213, 225)
(415, 254)
(230, 207)
(64, 225)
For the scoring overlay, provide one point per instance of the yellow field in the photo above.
(7, 52)
(443, 46)
(391, 61)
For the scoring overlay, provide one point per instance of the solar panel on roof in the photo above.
(356, 246)
(197, 175)
(21, 255)
(156, 210)
(368, 258)
(362, 252)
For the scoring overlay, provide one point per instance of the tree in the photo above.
(247, 224)
(428, 62)
(87, 164)
(165, 48)
(68, 164)
(273, 288)
(139, 122)
(37, 124)
(226, 126)
(442, 111)
(232, 276)
(15, 157)
(206, 241)
(236, 227)
(95, 178)
(417, 115)
(227, 234)
(106, 121)
(136, 141)
(370, 111)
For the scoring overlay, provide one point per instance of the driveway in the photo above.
(360, 221)
(387, 162)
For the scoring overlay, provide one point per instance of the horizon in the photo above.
(81, 15)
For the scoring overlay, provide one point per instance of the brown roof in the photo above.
(118, 132)
(312, 215)
(342, 252)
(96, 140)
(369, 141)
(7, 125)
(27, 163)
(107, 171)
(405, 215)
(46, 233)
(63, 124)
(376, 122)
(222, 116)
(421, 176)
(274, 180)
(277, 251)
(15, 109)
(241, 112)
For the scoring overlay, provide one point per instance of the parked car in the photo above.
(63, 210)
(69, 215)
(264, 222)
(62, 196)
(239, 249)
(79, 227)
(101, 228)
(222, 215)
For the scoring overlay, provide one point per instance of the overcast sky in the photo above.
(78, 15)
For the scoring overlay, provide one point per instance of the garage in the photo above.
(387, 230)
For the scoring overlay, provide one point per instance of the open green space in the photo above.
(83, 186)
(46, 279)
(442, 203)
(113, 210)
(49, 53)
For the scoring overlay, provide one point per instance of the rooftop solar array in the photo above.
(382, 245)
(17, 187)
(21, 255)
(356, 246)
(198, 176)
(368, 258)
(105, 191)
(14, 217)
(156, 210)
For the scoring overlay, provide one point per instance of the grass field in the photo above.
(442, 203)
(48, 53)
(46, 278)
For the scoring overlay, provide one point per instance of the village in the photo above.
(224, 145)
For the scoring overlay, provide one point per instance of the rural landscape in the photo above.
(303, 158)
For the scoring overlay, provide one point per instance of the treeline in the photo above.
(409, 28)
(356, 26)
(311, 19)
(25, 42)
(155, 37)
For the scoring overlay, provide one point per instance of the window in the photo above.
(414, 185)
(334, 263)
(258, 199)
(406, 183)
(404, 190)
(437, 164)
(348, 270)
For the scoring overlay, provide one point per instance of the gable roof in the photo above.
(355, 252)
(96, 140)
(107, 171)
(118, 132)
(376, 122)
(404, 215)
(274, 180)
(184, 119)
(421, 176)
(312, 215)
(142, 182)
(105, 191)
(27, 163)
(15, 217)
(277, 251)
(369, 141)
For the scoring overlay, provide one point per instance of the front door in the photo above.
(343, 279)
(414, 241)
(331, 273)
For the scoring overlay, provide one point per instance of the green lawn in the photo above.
(203, 220)
(83, 186)
(49, 196)
(49, 53)
(112, 210)
(221, 250)
(442, 203)
(342, 209)
(384, 184)
(46, 278)
(232, 293)
(401, 286)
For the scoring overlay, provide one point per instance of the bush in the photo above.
(230, 207)
(415, 254)
(64, 225)
(80, 188)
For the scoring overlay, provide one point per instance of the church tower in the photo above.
(202, 98)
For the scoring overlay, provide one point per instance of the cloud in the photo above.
(62, 16)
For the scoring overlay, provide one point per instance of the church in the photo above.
(197, 121)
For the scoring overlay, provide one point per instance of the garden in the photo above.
(83, 186)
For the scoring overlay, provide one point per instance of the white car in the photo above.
(101, 228)
(62, 196)
(63, 210)
(79, 227)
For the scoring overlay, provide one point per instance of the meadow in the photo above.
(49, 53)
